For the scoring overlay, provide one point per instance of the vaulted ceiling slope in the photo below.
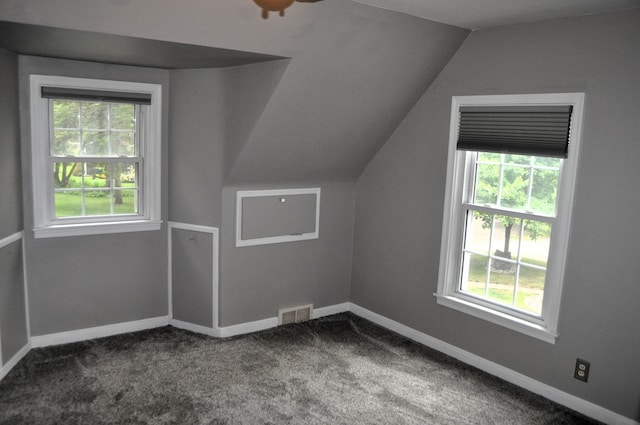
(478, 14)
(358, 72)
(355, 71)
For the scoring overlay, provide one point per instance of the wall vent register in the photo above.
(295, 314)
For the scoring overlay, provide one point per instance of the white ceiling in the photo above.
(477, 14)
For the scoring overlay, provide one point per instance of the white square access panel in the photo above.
(276, 216)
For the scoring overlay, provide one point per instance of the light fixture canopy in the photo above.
(277, 5)
(273, 6)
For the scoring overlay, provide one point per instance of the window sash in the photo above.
(468, 211)
(108, 159)
(137, 158)
(533, 168)
(139, 114)
(467, 208)
(501, 308)
(139, 188)
(525, 215)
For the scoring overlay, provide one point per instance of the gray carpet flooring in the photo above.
(336, 370)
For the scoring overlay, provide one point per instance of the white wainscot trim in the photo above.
(580, 405)
(11, 239)
(199, 329)
(98, 332)
(215, 264)
(6, 368)
(242, 194)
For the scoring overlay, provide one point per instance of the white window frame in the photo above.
(545, 326)
(149, 217)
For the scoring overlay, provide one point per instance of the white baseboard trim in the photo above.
(97, 332)
(140, 325)
(331, 310)
(580, 405)
(245, 328)
(199, 329)
(6, 368)
(272, 322)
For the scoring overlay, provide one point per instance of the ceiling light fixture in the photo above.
(277, 5)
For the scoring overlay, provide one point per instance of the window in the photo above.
(510, 178)
(95, 155)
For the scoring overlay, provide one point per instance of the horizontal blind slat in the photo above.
(527, 130)
(68, 93)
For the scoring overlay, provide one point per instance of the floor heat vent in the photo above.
(298, 314)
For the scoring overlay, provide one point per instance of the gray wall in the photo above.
(358, 72)
(267, 216)
(10, 171)
(87, 281)
(257, 281)
(354, 73)
(191, 276)
(248, 91)
(13, 319)
(400, 197)
(196, 152)
(212, 112)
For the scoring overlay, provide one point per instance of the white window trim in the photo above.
(546, 327)
(241, 194)
(151, 153)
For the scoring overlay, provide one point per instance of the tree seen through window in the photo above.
(94, 158)
(506, 243)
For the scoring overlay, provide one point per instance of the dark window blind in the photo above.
(100, 95)
(524, 130)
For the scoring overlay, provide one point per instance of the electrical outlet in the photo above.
(582, 370)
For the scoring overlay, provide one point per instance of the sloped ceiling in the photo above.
(249, 90)
(354, 71)
(478, 14)
(358, 72)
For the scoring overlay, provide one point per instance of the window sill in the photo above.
(62, 230)
(498, 318)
